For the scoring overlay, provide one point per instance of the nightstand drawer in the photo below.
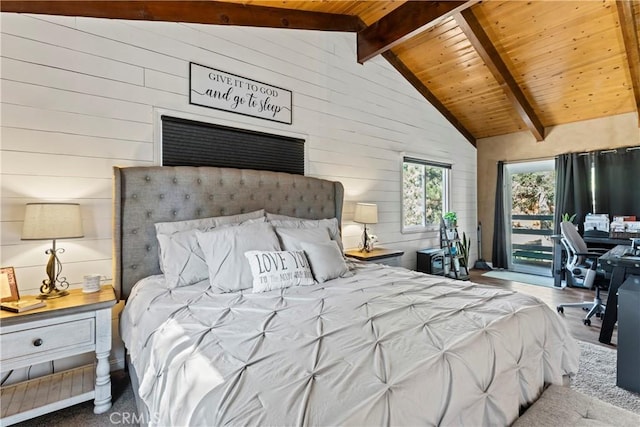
(30, 342)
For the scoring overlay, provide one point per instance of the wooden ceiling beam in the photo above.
(479, 39)
(632, 47)
(199, 12)
(424, 91)
(403, 23)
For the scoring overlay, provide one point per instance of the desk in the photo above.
(619, 267)
(606, 241)
(628, 376)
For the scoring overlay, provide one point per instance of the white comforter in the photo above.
(387, 346)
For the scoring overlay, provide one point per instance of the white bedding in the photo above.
(387, 346)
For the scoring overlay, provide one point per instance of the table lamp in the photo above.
(366, 213)
(52, 221)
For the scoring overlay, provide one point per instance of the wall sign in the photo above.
(217, 89)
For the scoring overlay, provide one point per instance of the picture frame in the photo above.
(8, 285)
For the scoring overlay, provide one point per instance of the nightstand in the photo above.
(377, 255)
(71, 325)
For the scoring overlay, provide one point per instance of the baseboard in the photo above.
(116, 364)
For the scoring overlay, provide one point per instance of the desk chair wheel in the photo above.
(560, 309)
(587, 322)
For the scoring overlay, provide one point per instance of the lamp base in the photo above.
(49, 288)
(55, 293)
(366, 243)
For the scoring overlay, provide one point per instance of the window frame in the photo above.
(446, 191)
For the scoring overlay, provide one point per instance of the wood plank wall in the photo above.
(80, 95)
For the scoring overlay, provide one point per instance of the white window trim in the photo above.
(447, 192)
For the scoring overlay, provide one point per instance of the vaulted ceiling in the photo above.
(491, 67)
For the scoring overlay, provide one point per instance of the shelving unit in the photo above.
(450, 242)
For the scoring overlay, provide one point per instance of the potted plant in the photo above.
(567, 217)
(465, 246)
(450, 219)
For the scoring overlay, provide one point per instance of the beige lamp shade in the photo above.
(48, 221)
(366, 213)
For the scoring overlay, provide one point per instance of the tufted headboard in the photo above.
(146, 195)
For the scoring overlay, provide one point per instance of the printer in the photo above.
(626, 224)
(595, 224)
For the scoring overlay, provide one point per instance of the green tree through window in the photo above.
(534, 193)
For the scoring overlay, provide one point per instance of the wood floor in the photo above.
(552, 296)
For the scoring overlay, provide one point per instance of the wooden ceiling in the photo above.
(491, 67)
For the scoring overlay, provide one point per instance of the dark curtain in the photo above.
(618, 182)
(499, 252)
(573, 195)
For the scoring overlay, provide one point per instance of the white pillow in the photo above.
(278, 270)
(326, 259)
(290, 238)
(293, 222)
(181, 258)
(224, 250)
(205, 224)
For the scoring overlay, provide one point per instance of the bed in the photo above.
(372, 345)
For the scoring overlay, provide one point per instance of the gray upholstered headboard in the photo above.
(146, 195)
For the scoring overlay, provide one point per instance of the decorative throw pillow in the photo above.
(326, 259)
(181, 258)
(224, 250)
(278, 270)
(290, 238)
(293, 222)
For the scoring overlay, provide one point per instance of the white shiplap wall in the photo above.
(80, 95)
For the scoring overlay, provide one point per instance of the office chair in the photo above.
(581, 269)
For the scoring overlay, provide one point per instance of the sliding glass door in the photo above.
(529, 198)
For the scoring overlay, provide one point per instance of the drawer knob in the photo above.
(37, 342)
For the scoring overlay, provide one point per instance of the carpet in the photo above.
(597, 377)
(530, 279)
(563, 406)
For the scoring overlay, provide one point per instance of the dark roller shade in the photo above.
(192, 143)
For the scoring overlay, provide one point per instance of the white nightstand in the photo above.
(75, 324)
(377, 255)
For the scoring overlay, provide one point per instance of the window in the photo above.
(192, 143)
(425, 193)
